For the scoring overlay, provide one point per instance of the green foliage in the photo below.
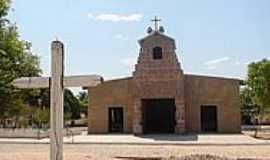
(248, 108)
(71, 104)
(16, 60)
(67, 116)
(4, 6)
(83, 99)
(41, 117)
(255, 97)
(259, 84)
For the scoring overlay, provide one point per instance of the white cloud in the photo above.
(129, 62)
(217, 61)
(120, 37)
(213, 64)
(116, 17)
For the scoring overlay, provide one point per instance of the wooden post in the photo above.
(56, 91)
(57, 82)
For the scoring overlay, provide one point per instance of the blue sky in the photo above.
(213, 37)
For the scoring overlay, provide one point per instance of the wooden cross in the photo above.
(57, 82)
(156, 20)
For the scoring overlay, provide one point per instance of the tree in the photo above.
(17, 111)
(258, 85)
(83, 99)
(16, 60)
(248, 108)
(71, 104)
(40, 117)
(4, 7)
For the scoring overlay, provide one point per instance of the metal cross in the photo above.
(156, 20)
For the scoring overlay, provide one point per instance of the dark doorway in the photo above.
(115, 119)
(209, 118)
(159, 115)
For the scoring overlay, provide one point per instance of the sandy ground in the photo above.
(150, 139)
(103, 152)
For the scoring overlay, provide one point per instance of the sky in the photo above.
(213, 37)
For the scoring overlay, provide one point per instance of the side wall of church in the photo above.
(221, 92)
(114, 93)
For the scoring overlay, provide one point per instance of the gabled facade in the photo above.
(160, 98)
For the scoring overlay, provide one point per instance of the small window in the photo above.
(157, 53)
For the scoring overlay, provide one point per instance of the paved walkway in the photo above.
(171, 139)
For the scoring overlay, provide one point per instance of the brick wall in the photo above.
(222, 92)
(115, 93)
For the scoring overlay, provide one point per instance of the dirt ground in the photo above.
(104, 152)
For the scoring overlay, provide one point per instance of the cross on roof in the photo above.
(156, 20)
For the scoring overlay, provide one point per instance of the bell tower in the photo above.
(158, 75)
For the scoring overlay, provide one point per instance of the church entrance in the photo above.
(158, 115)
(209, 118)
(115, 119)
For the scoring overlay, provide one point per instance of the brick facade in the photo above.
(164, 78)
(158, 78)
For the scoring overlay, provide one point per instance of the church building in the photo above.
(161, 98)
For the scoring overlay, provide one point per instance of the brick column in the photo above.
(137, 120)
(180, 116)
